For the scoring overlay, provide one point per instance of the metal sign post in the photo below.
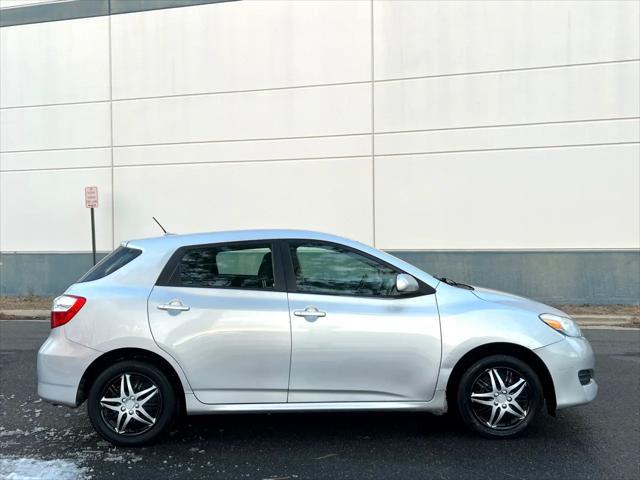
(91, 202)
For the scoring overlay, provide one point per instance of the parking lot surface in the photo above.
(596, 441)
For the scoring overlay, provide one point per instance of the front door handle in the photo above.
(309, 312)
(174, 306)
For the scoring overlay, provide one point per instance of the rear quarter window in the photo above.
(109, 264)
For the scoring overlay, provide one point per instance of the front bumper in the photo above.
(565, 359)
(61, 364)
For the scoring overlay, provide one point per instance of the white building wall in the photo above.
(405, 124)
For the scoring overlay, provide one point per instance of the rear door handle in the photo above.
(309, 312)
(174, 306)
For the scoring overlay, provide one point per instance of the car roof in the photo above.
(174, 240)
(164, 246)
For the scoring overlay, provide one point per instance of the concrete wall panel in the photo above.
(55, 127)
(240, 46)
(330, 195)
(44, 211)
(56, 62)
(335, 110)
(419, 38)
(580, 197)
(532, 96)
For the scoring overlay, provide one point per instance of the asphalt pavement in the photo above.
(596, 441)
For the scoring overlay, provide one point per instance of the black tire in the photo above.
(162, 406)
(480, 415)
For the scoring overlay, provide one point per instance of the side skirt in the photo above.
(437, 405)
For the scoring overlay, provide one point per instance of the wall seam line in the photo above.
(339, 135)
(321, 85)
(373, 131)
(113, 193)
(338, 157)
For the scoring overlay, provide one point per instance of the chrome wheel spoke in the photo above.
(482, 395)
(143, 413)
(513, 412)
(123, 392)
(142, 401)
(500, 415)
(131, 392)
(483, 402)
(494, 410)
(140, 419)
(519, 391)
(115, 408)
(500, 382)
(126, 422)
(516, 385)
(121, 415)
(493, 381)
(518, 408)
(110, 400)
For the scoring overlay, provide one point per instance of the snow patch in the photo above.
(36, 469)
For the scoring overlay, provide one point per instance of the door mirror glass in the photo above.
(405, 283)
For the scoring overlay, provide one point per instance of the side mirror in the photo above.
(405, 283)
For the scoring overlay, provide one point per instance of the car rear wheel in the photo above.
(499, 396)
(131, 403)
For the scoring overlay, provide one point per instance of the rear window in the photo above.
(226, 266)
(109, 264)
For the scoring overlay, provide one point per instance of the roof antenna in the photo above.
(156, 220)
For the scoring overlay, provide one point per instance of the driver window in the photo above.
(331, 270)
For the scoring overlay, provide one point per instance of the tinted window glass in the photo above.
(226, 266)
(112, 262)
(330, 269)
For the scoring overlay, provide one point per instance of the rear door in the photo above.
(355, 338)
(221, 311)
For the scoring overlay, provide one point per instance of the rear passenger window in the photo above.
(228, 266)
(109, 264)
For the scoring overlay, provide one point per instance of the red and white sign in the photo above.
(91, 197)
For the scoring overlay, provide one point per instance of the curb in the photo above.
(25, 314)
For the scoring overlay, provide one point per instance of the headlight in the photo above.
(564, 325)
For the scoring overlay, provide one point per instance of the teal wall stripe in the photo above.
(556, 277)
(41, 274)
(598, 277)
(73, 9)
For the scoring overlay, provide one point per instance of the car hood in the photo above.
(511, 300)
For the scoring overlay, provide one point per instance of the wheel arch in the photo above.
(114, 356)
(526, 355)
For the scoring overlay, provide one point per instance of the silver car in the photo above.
(281, 320)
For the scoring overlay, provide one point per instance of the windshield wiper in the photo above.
(453, 283)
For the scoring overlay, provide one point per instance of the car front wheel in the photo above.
(499, 396)
(131, 403)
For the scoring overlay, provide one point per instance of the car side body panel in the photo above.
(364, 349)
(454, 322)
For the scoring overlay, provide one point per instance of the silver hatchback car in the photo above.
(281, 320)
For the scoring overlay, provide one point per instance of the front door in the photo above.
(221, 311)
(355, 338)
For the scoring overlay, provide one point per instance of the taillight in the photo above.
(65, 308)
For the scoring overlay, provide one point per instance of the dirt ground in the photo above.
(25, 303)
(44, 303)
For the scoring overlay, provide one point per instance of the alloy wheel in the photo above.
(130, 404)
(500, 398)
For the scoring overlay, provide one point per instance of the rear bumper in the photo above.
(564, 360)
(61, 364)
